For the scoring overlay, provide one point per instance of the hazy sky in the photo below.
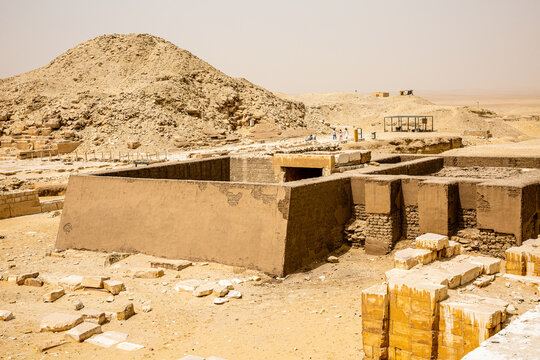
(304, 46)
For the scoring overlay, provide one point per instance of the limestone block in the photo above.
(233, 294)
(126, 312)
(171, 264)
(21, 278)
(354, 156)
(6, 315)
(407, 258)
(94, 316)
(204, 289)
(128, 346)
(114, 286)
(454, 248)
(53, 295)
(33, 282)
(12, 279)
(72, 282)
(432, 241)
(221, 290)
(60, 322)
(84, 330)
(342, 158)
(147, 273)
(226, 283)
(465, 271)
(95, 282)
(489, 265)
(187, 285)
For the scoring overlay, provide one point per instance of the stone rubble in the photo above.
(53, 295)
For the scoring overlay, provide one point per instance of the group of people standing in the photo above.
(334, 135)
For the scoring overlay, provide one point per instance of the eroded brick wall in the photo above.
(259, 169)
(485, 241)
(410, 225)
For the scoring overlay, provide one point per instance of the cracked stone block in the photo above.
(59, 322)
(84, 331)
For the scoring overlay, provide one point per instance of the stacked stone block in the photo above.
(19, 203)
(375, 322)
(465, 322)
(414, 318)
(524, 259)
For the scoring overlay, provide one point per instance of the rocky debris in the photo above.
(110, 299)
(95, 282)
(226, 283)
(115, 257)
(126, 312)
(484, 281)
(6, 315)
(354, 231)
(220, 290)
(177, 96)
(147, 273)
(133, 145)
(53, 295)
(205, 289)
(50, 344)
(114, 286)
(128, 346)
(94, 316)
(171, 264)
(19, 279)
(33, 282)
(56, 322)
(187, 285)
(78, 305)
(220, 300)
(84, 330)
(333, 259)
(146, 308)
(234, 295)
(511, 309)
(71, 283)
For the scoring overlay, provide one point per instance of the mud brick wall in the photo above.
(410, 223)
(318, 212)
(466, 219)
(486, 241)
(217, 169)
(253, 169)
(19, 203)
(359, 212)
(383, 229)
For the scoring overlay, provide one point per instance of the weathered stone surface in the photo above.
(171, 264)
(84, 330)
(21, 278)
(78, 305)
(187, 285)
(95, 282)
(107, 339)
(147, 273)
(114, 286)
(128, 346)
(53, 295)
(226, 283)
(407, 258)
(489, 265)
(6, 315)
(94, 316)
(126, 312)
(220, 290)
(60, 322)
(72, 282)
(333, 259)
(204, 289)
(484, 281)
(33, 282)
(432, 241)
(234, 294)
(49, 344)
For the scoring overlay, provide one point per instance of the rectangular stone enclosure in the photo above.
(280, 213)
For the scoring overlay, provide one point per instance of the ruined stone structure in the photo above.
(25, 202)
(279, 213)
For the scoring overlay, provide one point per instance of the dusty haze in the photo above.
(306, 46)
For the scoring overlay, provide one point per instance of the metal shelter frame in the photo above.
(408, 123)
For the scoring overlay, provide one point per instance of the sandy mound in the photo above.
(367, 112)
(117, 88)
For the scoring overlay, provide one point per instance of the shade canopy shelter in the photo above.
(408, 123)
